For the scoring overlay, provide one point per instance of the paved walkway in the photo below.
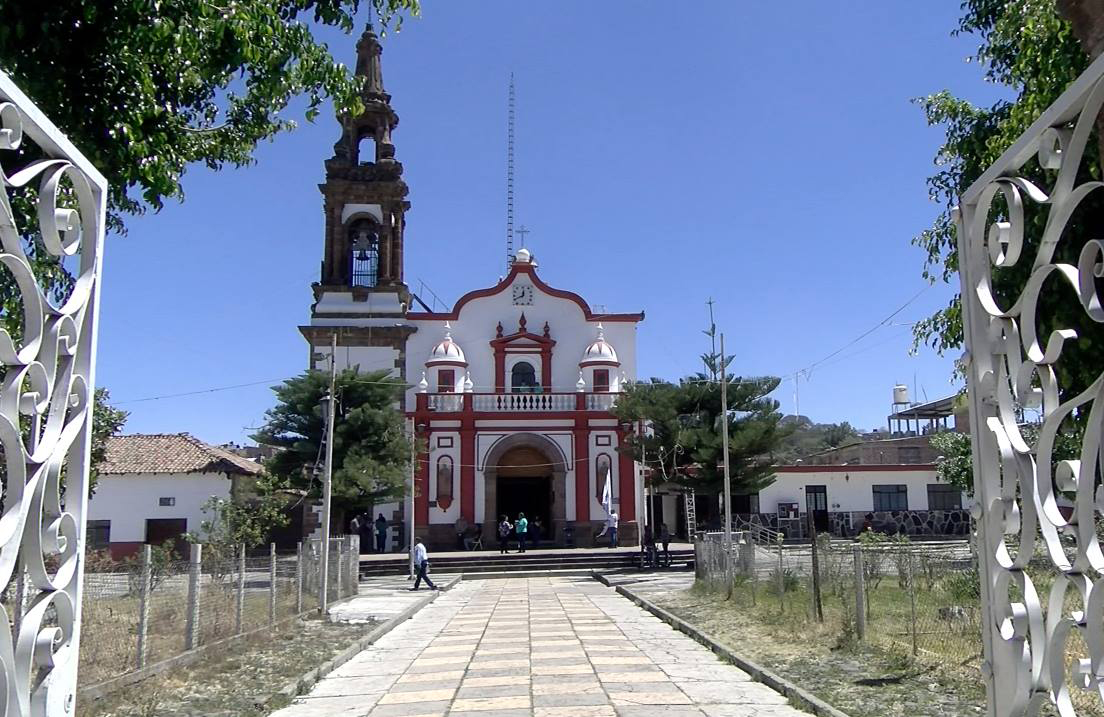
(539, 647)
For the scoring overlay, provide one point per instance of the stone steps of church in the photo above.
(536, 561)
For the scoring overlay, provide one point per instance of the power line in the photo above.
(198, 392)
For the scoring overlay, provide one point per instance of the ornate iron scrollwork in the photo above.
(1040, 557)
(46, 400)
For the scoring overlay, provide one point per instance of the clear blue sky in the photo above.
(763, 154)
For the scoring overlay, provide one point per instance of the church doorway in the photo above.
(525, 474)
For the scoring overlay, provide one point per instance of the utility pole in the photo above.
(327, 480)
(712, 334)
(724, 449)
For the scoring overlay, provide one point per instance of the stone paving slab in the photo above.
(534, 647)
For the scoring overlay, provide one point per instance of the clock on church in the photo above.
(523, 295)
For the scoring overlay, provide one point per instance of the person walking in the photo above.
(461, 528)
(421, 564)
(505, 527)
(649, 544)
(381, 533)
(613, 528)
(536, 531)
(522, 528)
(665, 539)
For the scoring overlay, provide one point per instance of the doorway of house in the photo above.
(531, 495)
(159, 530)
(816, 502)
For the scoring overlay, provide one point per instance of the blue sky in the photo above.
(766, 155)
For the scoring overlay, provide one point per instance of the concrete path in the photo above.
(539, 647)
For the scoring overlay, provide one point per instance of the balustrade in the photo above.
(519, 402)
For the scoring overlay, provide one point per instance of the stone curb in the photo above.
(795, 694)
(308, 679)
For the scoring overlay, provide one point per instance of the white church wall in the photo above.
(367, 358)
(474, 328)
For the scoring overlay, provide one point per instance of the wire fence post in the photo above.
(781, 579)
(191, 626)
(860, 594)
(272, 583)
(818, 606)
(239, 593)
(299, 578)
(144, 604)
(912, 603)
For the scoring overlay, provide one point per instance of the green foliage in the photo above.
(686, 445)
(955, 464)
(790, 582)
(964, 585)
(107, 421)
(804, 438)
(1027, 47)
(162, 558)
(146, 89)
(232, 523)
(371, 450)
(877, 550)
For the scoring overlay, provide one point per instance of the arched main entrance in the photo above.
(525, 473)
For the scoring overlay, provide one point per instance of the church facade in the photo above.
(509, 392)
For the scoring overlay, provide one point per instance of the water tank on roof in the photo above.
(900, 394)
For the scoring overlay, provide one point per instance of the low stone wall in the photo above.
(850, 523)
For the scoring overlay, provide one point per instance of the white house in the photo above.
(894, 498)
(510, 389)
(152, 488)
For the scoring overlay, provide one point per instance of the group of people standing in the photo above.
(363, 526)
(524, 530)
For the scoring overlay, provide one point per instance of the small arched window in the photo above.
(364, 248)
(523, 378)
(444, 482)
(602, 476)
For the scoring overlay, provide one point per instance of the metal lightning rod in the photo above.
(510, 177)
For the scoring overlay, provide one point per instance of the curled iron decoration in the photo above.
(1019, 485)
(46, 395)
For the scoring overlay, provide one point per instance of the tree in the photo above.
(107, 421)
(805, 438)
(232, 523)
(1036, 48)
(685, 446)
(146, 89)
(371, 451)
(955, 462)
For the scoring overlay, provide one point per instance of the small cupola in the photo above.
(447, 352)
(599, 352)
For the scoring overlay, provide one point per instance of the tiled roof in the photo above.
(170, 453)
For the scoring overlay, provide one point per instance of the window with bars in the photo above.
(891, 497)
(364, 247)
(99, 534)
(601, 380)
(944, 497)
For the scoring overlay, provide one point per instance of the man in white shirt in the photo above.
(421, 564)
(613, 528)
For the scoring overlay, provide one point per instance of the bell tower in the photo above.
(360, 295)
(364, 200)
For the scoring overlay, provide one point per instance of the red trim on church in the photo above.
(522, 342)
(516, 269)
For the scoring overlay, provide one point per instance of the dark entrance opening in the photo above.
(531, 495)
(816, 502)
(160, 530)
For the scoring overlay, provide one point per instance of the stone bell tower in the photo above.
(360, 294)
(365, 203)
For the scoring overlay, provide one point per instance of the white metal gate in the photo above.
(46, 406)
(1042, 604)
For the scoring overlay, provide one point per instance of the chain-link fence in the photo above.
(921, 600)
(155, 606)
